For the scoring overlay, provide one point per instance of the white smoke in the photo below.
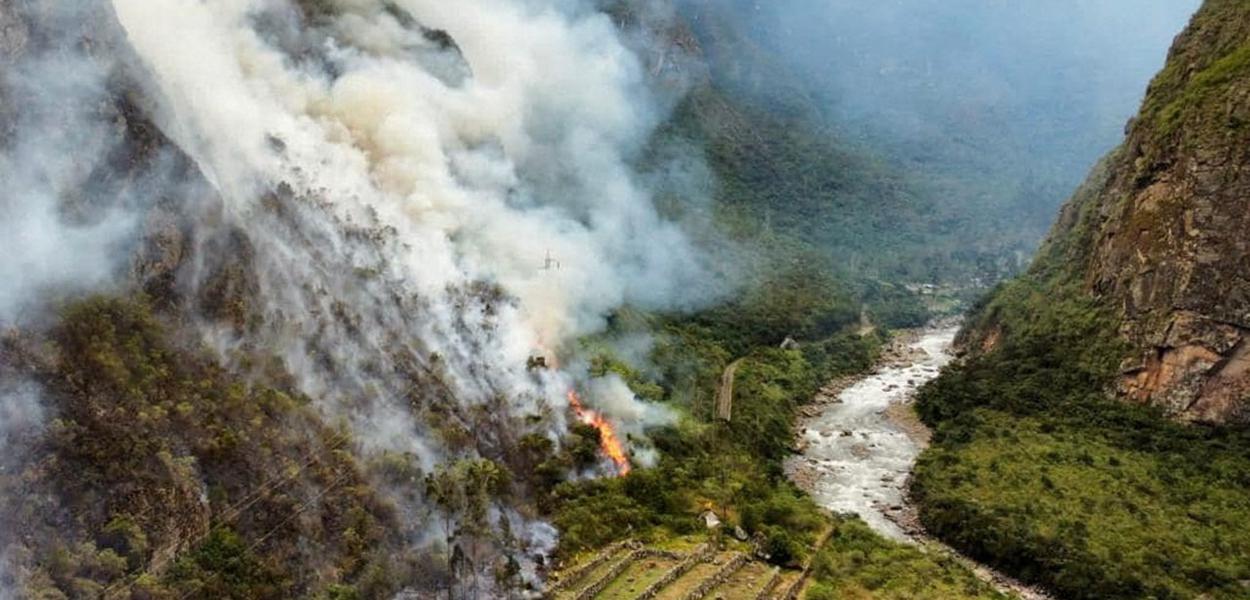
(46, 255)
(20, 412)
(529, 156)
(57, 238)
(479, 181)
(404, 190)
(613, 396)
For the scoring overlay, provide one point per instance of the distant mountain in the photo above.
(1093, 439)
(956, 129)
(1160, 233)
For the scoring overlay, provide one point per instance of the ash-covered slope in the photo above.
(1160, 233)
(320, 231)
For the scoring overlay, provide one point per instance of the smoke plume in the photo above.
(431, 194)
(419, 197)
(65, 222)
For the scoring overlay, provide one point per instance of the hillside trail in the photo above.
(725, 392)
(859, 441)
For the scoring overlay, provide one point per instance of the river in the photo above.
(859, 441)
(857, 450)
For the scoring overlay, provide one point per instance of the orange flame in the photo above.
(608, 440)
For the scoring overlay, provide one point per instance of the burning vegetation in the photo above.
(609, 442)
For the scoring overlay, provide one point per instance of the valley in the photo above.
(859, 441)
(854, 456)
(624, 299)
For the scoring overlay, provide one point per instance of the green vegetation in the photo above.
(818, 231)
(1036, 471)
(163, 475)
(1034, 467)
(722, 468)
(1188, 90)
(856, 564)
(782, 174)
(876, 208)
(1095, 515)
(734, 468)
(1205, 86)
(224, 567)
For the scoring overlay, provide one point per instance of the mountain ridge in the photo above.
(1156, 234)
(1092, 438)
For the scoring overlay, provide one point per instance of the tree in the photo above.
(464, 492)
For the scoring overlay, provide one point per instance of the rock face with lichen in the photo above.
(1160, 233)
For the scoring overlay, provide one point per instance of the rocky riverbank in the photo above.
(857, 442)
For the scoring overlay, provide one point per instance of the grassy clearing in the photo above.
(856, 564)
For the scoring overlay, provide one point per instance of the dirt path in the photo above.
(725, 393)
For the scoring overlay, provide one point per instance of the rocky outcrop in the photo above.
(1196, 368)
(1160, 233)
(1172, 250)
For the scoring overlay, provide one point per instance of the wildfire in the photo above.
(608, 440)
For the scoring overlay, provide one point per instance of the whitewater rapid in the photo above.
(855, 458)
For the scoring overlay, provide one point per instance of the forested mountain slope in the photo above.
(931, 141)
(781, 167)
(1158, 233)
(301, 296)
(252, 364)
(1093, 439)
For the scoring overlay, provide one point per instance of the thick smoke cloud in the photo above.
(528, 156)
(60, 235)
(433, 193)
(480, 177)
(422, 196)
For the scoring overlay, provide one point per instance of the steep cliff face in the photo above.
(1160, 233)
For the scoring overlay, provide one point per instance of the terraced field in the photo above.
(582, 581)
(680, 589)
(637, 578)
(630, 571)
(747, 582)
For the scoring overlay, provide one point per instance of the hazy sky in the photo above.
(1003, 104)
(1057, 76)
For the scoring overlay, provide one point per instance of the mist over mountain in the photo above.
(999, 108)
(1057, 80)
